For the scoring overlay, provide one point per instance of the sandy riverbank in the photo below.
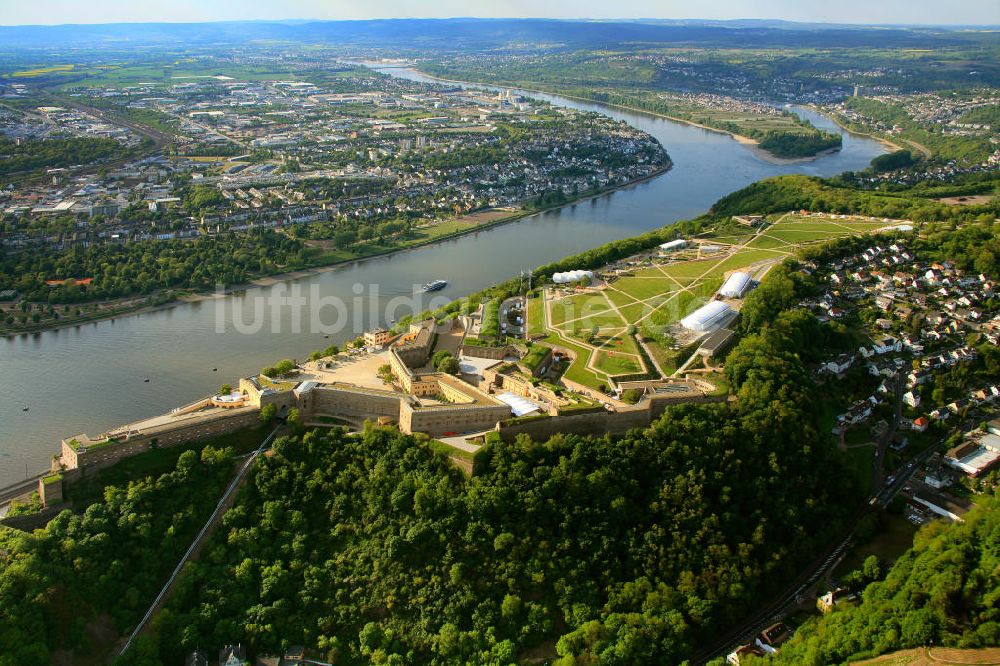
(885, 142)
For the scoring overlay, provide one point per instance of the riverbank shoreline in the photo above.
(752, 144)
(874, 137)
(287, 276)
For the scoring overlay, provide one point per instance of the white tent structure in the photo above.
(736, 285)
(571, 276)
(670, 246)
(518, 404)
(708, 317)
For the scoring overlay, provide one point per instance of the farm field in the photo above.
(28, 73)
(743, 122)
(164, 72)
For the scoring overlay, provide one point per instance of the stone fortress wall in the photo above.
(426, 402)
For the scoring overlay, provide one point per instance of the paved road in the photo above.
(202, 534)
(889, 433)
(20, 488)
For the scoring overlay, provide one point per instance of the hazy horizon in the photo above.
(849, 12)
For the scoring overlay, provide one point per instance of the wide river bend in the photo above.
(92, 377)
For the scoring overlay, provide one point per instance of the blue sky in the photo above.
(13, 12)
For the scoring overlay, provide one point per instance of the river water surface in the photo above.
(92, 377)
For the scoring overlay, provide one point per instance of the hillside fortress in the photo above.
(389, 382)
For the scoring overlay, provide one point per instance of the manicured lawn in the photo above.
(864, 226)
(642, 288)
(821, 226)
(592, 308)
(692, 269)
(745, 258)
(706, 288)
(769, 241)
(617, 341)
(636, 311)
(449, 450)
(615, 363)
(655, 297)
(792, 235)
(536, 316)
(683, 304)
(665, 358)
(604, 320)
(619, 298)
(579, 373)
(730, 239)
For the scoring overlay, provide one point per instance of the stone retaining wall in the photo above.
(101, 456)
(597, 423)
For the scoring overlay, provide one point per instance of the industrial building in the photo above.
(736, 285)
(673, 245)
(709, 317)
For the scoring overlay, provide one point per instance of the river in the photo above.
(93, 377)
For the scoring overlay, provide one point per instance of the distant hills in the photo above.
(465, 33)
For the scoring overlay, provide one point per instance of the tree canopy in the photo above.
(943, 591)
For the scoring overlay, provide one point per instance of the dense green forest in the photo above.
(80, 582)
(898, 159)
(27, 156)
(944, 591)
(835, 195)
(798, 144)
(372, 550)
(144, 266)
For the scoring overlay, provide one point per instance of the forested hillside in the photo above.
(944, 591)
(142, 267)
(836, 195)
(372, 550)
(74, 586)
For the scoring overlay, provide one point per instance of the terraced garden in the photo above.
(599, 323)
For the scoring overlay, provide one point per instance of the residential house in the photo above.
(744, 651)
(840, 364)
(771, 638)
(827, 602)
(232, 655)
